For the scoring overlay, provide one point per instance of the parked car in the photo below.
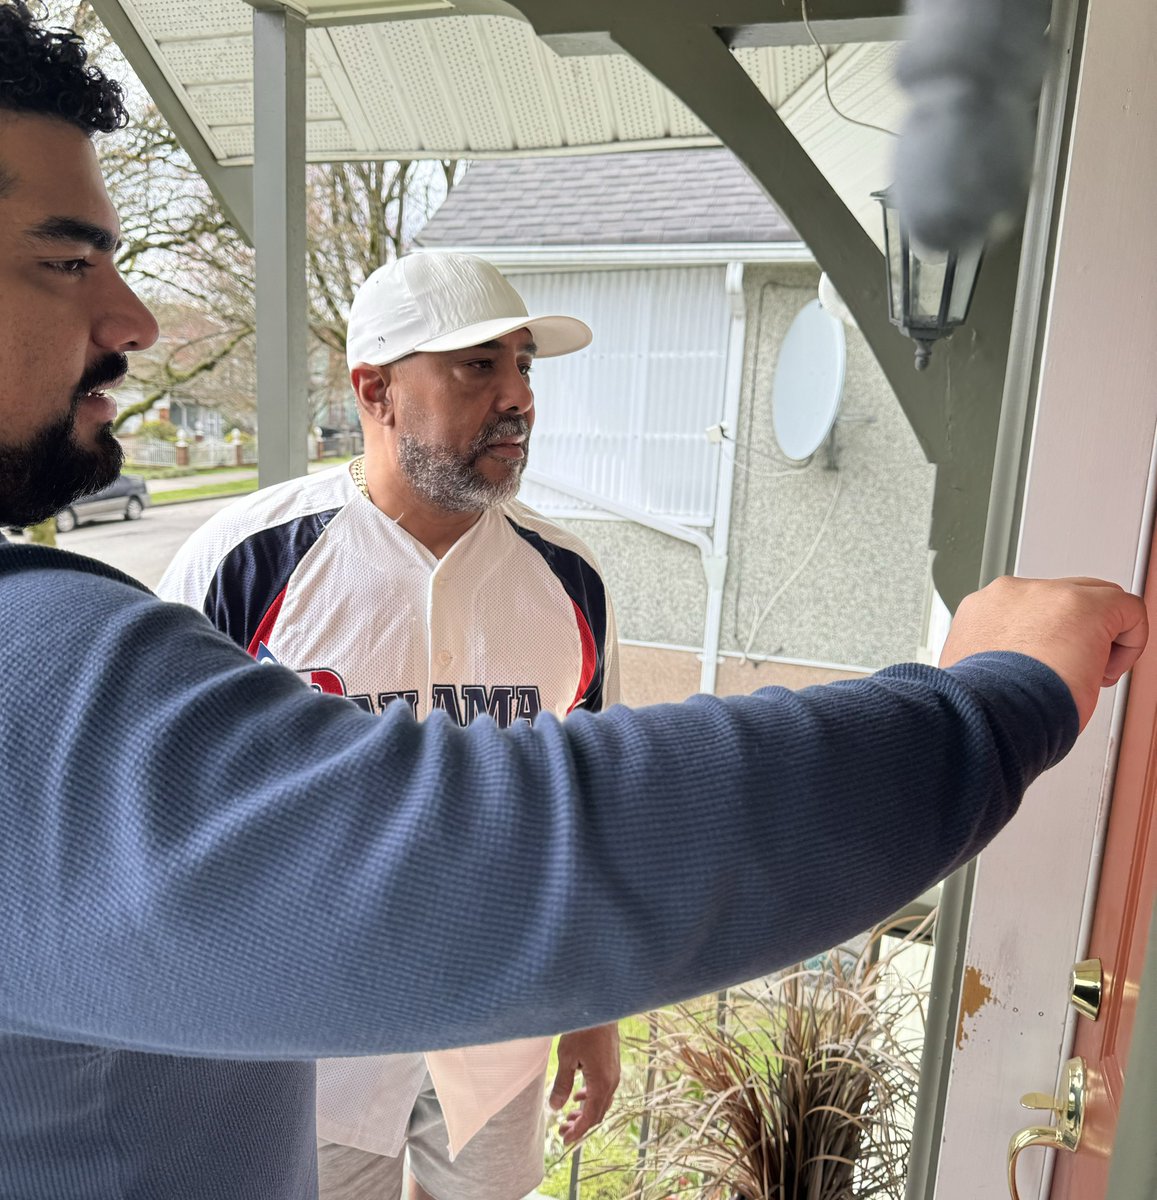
(126, 497)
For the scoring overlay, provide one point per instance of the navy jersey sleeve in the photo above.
(584, 586)
(246, 589)
(239, 581)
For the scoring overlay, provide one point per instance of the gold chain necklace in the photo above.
(358, 475)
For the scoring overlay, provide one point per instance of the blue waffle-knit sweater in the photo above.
(211, 875)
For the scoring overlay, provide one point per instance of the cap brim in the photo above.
(552, 335)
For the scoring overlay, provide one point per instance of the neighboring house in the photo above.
(204, 401)
(690, 279)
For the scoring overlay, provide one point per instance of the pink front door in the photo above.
(1125, 898)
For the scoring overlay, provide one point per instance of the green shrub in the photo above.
(161, 431)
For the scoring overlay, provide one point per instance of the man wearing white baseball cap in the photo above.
(414, 576)
(431, 302)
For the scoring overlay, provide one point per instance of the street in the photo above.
(144, 548)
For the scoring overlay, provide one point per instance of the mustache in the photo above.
(497, 431)
(109, 369)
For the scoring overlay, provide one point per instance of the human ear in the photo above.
(372, 389)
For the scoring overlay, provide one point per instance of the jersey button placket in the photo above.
(440, 654)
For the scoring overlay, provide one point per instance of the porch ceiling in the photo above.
(439, 81)
(472, 79)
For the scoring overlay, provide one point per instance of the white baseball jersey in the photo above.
(512, 621)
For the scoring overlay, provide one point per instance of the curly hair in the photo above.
(46, 71)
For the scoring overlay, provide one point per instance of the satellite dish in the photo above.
(809, 382)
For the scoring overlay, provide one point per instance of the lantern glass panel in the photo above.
(928, 271)
(897, 251)
(967, 269)
(895, 247)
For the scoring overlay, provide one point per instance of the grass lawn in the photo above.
(208, 489)
(610, 1153)
(235, 487)
(180, 472)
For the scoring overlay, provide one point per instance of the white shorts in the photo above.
(502, 1161)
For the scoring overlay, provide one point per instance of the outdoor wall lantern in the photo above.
(928, 291)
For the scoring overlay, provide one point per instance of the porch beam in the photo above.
(581, 26)
(954, 406)
(829, 29)
(697, 67)
(279, 195)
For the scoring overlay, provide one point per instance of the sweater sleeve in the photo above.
(198, 854)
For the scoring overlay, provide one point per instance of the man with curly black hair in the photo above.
(46, 71)
(211, 876)
(68, 316)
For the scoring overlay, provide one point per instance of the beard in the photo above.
(48, 473)
(451, 480)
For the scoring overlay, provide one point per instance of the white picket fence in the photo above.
(151, 452)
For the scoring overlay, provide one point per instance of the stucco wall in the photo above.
(861, 598)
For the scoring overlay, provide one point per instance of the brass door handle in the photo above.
(1069, 1107)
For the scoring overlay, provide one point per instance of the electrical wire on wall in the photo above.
(750, 451)
(732, 448)
(778, 468)
(827, 81)
(800, 567)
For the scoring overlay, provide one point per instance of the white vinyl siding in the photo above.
(626, 418)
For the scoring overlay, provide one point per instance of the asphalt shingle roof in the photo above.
(647, 198)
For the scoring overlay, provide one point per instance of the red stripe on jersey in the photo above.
(590, 655)
(265, 628)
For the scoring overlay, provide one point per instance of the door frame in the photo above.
(1087, 509)
(1010, 467)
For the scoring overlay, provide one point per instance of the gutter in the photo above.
(595, 257)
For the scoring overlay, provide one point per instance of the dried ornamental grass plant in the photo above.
(798, 1087)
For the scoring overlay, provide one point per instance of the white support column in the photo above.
(279, 240)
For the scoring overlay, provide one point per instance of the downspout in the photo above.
(712, 550)
(715, 563)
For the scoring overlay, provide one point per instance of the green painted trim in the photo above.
(967, 375)
(744, 22)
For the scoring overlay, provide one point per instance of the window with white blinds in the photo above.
(625, 418)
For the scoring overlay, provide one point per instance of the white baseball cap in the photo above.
(430, 302)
